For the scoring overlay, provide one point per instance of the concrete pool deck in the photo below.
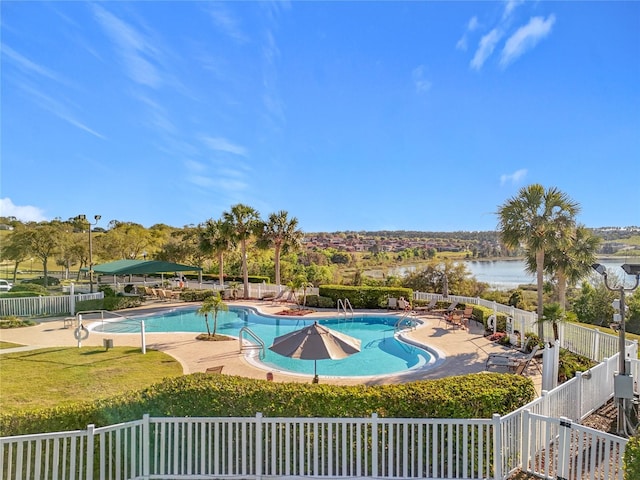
(462, 351)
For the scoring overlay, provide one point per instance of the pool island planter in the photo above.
(261, 447)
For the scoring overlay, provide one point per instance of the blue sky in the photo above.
(349, 115)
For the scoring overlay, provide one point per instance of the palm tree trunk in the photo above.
(540, 285)
(221, 268)
(562, 289)
(245, 270)
(277, 263)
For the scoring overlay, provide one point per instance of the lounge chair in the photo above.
(428, 307)
(392, 303)
(512, 363)
(290, 298)
(217, 369)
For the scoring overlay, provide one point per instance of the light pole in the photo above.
(623, 382)
(96, 218)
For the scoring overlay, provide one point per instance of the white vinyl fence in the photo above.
(257, 447)
(36, 306)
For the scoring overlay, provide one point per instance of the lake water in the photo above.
(508, 274)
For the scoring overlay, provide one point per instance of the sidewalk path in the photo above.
(461, 351)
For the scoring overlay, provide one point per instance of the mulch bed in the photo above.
(294, 312)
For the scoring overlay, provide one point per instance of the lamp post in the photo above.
(96, 218)
(623, 382)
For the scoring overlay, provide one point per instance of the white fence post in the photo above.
(146, 435)
(524, 444)
(374, 445)
(564, 448)
(89, 453)
(258, 446)
(497, 447)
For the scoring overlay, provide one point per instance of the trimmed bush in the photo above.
(202, 395)
(319, 302)
(364, 296)
(15, 322)
(190, 295)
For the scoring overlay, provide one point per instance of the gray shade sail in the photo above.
(315, 342)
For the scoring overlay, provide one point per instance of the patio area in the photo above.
(461, 351)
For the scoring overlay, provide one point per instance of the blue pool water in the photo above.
(380, 352)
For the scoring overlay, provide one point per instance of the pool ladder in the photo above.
(405, 318)
(345, 308)
(261, 347)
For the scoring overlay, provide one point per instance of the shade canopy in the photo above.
(315, 342)
(141, 267)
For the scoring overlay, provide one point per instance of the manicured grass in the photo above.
(57, 376)
(9, 345)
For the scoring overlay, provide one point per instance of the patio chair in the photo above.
(510, 362)
(217, 369)
(392, 303)
(455, 321)
(430, 306)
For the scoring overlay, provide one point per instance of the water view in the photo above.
(508, 274)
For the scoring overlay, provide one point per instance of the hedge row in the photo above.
(364, 296)
(203, 395)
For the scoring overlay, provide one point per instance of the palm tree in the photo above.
(282, 234)
(212, 304)
(216, 239)
(538, 219)
(553, 313)
(570, 261)
(244, 221)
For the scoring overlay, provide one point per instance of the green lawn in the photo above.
(56, 376)
(9, 345)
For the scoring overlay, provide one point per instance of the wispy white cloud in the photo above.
(422, 84)
(525, 38)
(487, 44)
(472, 25)
(223, 145)
(226, 22)
(31, 67)
(159, 117)
(513, 178)
(137, 53)
(510, 6)
(25, 213)
(57, 108)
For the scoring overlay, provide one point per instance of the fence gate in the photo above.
(558, 448)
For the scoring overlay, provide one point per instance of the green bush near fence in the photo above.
(203, 395)
(364, 296)
(108, 303)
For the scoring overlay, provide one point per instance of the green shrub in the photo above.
(202, 395)
(15, 322)
(108, 303)
(632, 458)
(364, 296)
(31, 288)
(107, 290)
(191, 295)
(51, 281)
(318, 301)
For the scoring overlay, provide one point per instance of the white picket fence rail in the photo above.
(372, 447)
(38, 306)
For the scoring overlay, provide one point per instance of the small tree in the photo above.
(212, 304)
(553, 314)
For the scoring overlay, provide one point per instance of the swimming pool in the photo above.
(381, 353)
